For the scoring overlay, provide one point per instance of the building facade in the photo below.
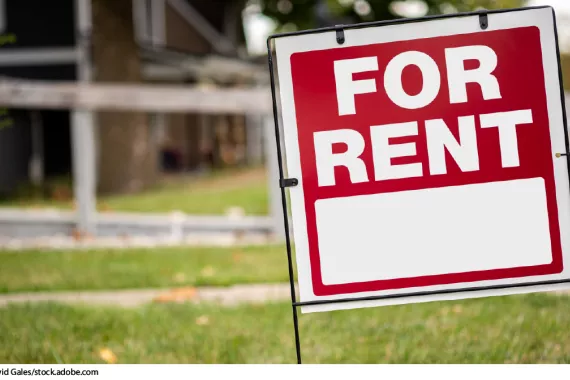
(182, 42)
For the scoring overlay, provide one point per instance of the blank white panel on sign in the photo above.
(433, 231)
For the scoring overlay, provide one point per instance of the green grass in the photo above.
(140, 268)
(211, 194)
(251, 197)
(514, 329)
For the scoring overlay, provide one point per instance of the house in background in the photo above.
(192, 42)
(198, 42)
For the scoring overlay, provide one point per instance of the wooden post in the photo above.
(82, 131)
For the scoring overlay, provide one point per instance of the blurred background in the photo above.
(67, 173)
(160, 212)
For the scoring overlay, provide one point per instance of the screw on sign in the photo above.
(429, 156)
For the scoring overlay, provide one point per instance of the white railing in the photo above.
(86, 97)
(150, 98)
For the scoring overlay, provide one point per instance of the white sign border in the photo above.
(286, 45)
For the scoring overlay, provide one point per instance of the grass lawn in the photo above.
(136, 268)
(212, 194)
(514, 329)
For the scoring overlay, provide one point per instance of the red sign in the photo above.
(422, 114)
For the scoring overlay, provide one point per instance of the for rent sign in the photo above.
(426, 154)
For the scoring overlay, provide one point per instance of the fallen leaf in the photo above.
(177, 295)
(237, 256)
(77, 234)
(62, 193)
(208, 271)
(108, 356)
(457, 309)
(202, 320)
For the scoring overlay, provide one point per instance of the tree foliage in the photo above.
(306, 14)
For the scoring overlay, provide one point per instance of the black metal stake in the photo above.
(282, 184)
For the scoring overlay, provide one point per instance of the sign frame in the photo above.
(285, 182)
